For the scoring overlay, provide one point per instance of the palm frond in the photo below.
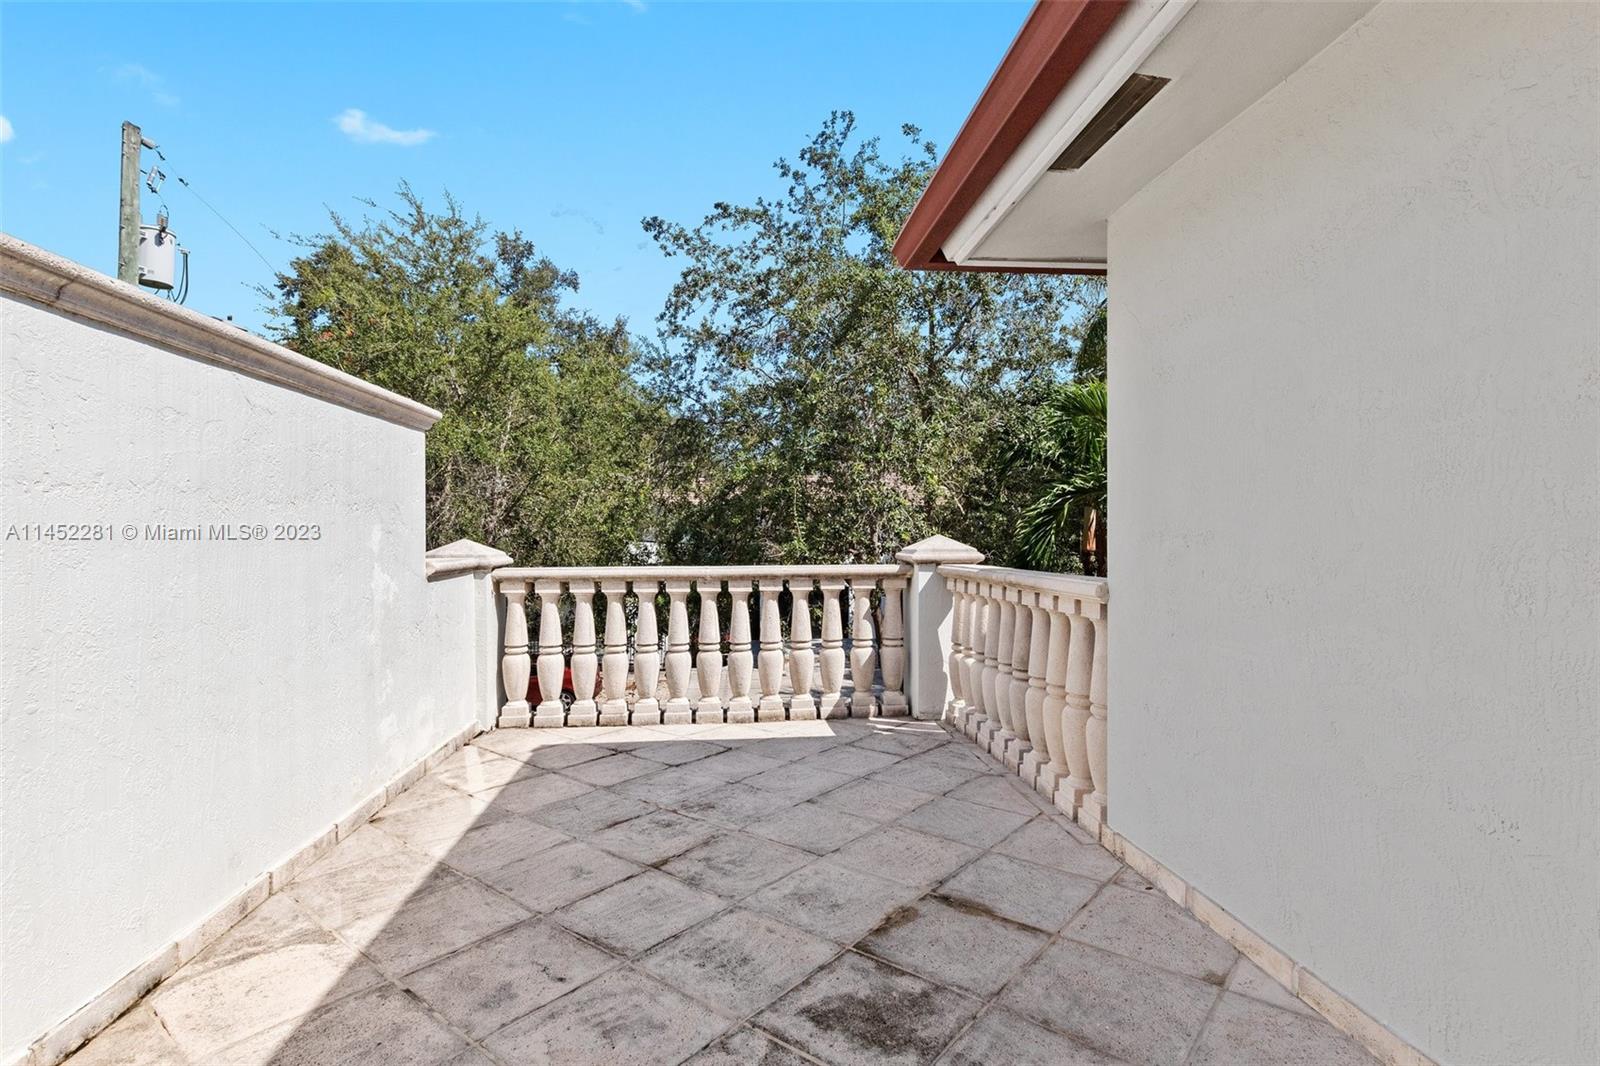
(1067, 440)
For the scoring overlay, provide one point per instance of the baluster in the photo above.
(679, 662)
(978, 612)
(552, 664)
(1037, 761)
(991, 655)
(1016, 700)
(991, 671)
(1055, 705)
(646, 657)
(515, 665)
(614, 666)
(708, 655)
(771, 663)
(833, 704)
(959, 705)
(892, 653)
(1095, 805)
(1002, 677)
(802, 659)
(863, 656)
(740, 708)
(585, 663)
(1075, 716)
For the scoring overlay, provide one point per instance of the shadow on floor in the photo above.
(844, 891)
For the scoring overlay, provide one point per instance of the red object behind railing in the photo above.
(535, 698)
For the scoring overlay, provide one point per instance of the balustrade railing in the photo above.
(1027, 667)
(562, 677)
(1021, 654)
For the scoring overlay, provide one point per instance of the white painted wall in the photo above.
(181, 717)
(1355, 458)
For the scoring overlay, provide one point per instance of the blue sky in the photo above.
(570, 121)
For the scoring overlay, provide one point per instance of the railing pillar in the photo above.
(972, 663)
(740, 709)
(863, 653)
(1093, 812)
(930, 664)
(892, 650)
(1037, 761)
(1075, 714)
(515, 665)
(585, 663)
(833, 704)
(678, 710)
(708, 655)
(552, 663)
(466, 560)
(646, 657)
(771, 663)
(957, 706)
(1017, 702)
(1002, 675)
(614, 666)
(991, 730)
(1055, 703)
(802, 660)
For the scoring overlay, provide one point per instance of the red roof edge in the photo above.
(1057, 38)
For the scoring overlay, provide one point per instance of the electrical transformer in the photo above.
(158, 257)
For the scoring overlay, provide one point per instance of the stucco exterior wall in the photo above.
(181, 716)
(1355, 466)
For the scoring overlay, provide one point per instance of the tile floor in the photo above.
(845, 892)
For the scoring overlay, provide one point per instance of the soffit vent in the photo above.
(1125, 103)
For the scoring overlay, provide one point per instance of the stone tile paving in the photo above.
(840, 892)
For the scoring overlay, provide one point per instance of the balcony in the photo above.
(347, 801)
(734, 849)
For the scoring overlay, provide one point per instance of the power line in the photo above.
(185, 183)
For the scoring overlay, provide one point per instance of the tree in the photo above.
(546, 439)
(830, 405)
(1067, 445)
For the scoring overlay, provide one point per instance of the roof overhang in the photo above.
(994, 203)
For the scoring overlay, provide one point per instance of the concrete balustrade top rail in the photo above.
(1075, 585)
(694, 573)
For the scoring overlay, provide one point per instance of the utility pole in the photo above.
(128, 222)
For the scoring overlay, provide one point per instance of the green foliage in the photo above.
(807, 399)
(546, 443)
(1090, 362)
(829, 405)
(1065, 446)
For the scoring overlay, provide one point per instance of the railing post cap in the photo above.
(461, 557)
(939, 549)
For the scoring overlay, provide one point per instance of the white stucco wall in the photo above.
(1355, 424)
(180, 717)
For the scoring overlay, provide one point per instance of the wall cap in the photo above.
(33, 274)
(463, 557)
(939, 549)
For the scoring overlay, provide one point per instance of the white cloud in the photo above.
(148, 80)
(637, 5)
(6, 132)
(359, 128)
